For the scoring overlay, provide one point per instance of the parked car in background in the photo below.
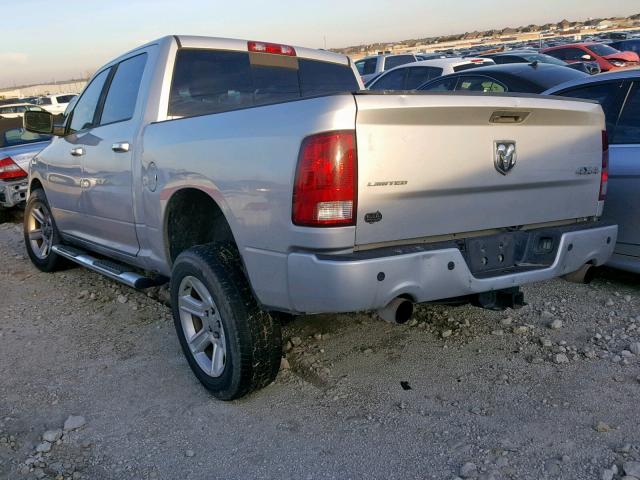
(513, 77)
(17, 147)
(412, 75)
(429, 56)
(619, 95)
(55, 104)
(618, 35)
(608, 58)
(370, 67)
(32, 100)
(16, 110)
(530, 56)
(261, 180)
(630, 45)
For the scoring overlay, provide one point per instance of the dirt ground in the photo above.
(548, 391)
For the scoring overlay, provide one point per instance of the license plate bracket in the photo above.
(495, 252)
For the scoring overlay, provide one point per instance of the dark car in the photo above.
(529, 56)
(630, 45)
(514, 77)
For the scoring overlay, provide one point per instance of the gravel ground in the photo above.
(93, 385)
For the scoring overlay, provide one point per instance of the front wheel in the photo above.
(41, 233)
(232, 346)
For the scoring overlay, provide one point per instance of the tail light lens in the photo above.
(9, 170)
(325, 188)
(273, 48)
(604, 174)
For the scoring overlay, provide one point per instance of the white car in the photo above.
(412, 75)
(371, 67)
(56, 104)
(16, 110)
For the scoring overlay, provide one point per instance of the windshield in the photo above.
(602, 50)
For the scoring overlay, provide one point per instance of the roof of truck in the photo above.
(192, 41)
(220, 43)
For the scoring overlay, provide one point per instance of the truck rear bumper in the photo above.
(346, 283)
(13, 193)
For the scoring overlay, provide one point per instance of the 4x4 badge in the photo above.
(504, 156)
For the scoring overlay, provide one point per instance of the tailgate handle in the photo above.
(508, 117)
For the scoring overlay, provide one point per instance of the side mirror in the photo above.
(586, 58)
(38, 122)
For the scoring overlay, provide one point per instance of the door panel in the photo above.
(107, 199)
(62, 176)
(623, 197)
(63, 160)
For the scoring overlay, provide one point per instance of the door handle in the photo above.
(77, 152)
(120, 147)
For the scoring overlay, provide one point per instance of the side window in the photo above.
(444, 85)
(123, 91)
(500, 59)
(367, 67)
(603, 93)
(572, 54)
(64, 98)
(560, 53)
(480, 84)
(390, 81)
(44, 101)
(396, 61)
(370, 66)
(416, 76)
(627, 130)
(85, 110)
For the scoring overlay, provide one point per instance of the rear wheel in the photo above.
(41, 233)
(232, 346)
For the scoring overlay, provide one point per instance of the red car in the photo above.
(608, 58)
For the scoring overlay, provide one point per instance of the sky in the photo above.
(43, 43)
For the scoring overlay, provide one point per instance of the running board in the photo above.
(113, 270)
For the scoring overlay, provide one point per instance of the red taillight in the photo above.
(274, 48)
(604, 174)
(325, 188)
(9, 169)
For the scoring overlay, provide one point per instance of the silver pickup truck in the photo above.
(259, 179)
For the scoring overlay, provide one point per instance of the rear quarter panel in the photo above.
(246, 161)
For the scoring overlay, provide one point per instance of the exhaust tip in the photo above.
(584, 275)
(399, 311)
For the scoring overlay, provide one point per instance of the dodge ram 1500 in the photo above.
(259, 179)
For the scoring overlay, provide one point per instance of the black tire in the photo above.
(51, 262)
(252, 337)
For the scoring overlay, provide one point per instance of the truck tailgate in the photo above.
(426, 163)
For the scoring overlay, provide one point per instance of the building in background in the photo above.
(71, 86)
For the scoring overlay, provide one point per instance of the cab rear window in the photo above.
(211, 81)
